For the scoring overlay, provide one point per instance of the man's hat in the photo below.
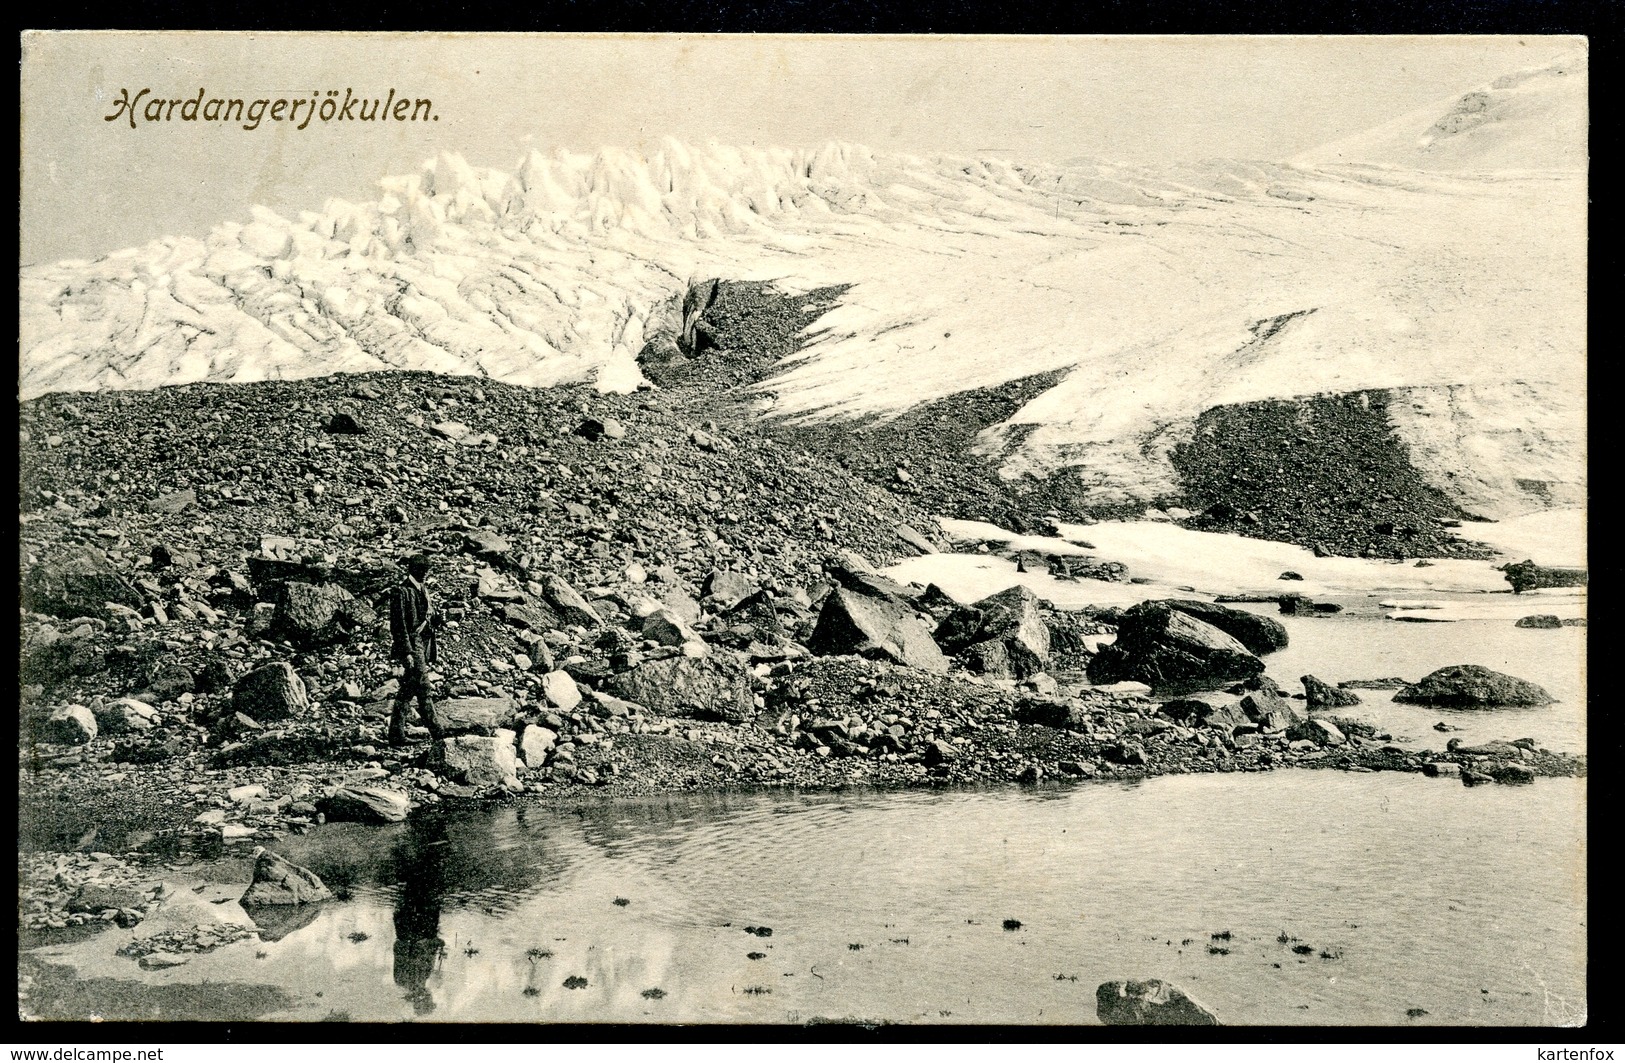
(416, 562)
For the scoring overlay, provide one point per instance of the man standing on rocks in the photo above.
(413, 648)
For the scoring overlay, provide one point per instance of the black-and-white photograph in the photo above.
(701, 529)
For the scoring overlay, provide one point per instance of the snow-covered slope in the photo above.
(1164, 291)
(1534, 118)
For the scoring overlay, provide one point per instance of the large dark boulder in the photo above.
(1528, 576)
(701, 688)
(1322, 695)
(1470, 686)
(1149, 1003)
(1260, 634)
(274, 692)
(877, 628)
(310, 615)
(1004, 634)
(1172, 651)
(80, 585)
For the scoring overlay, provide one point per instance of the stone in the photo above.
(1320, 695)
(495, 587)
(278, 882)
(477, 760)
(173, 502)
(1149, 1003)
(365, 804)
(1442, 769)
(125, 715)
(876, 628)
(1272, 713)
(161, 961)
(1012, 619)
(1222, 716)
(937, 752)
(724, 588)
(80, 585)
(1471, 686)
(915, 540)
(607, 428)
(71, 725)
(1320, 732)
(1172, 651)
(1512, 774)
(476, 716)
(485, 543)
(92, 898)
(710, 688)
(274, 692)
(535, 744)
(170, 681)
(1541, 620)
(455, 431)
(311, 615)
(568, 603)
(344, 423)
(560, 690)
(667, 628)
(1260, 634)
(1528, 576)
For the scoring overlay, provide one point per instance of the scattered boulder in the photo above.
(93, 899)
(607, 428)
(476, 716)
(1540, 620)
(279, 882)
(1298, 605)
(365, 804)
(1528, 576)
(560, 690)
(535, 744)
(1470, 686)
(309, 615)
(668, 629)
(874, 627)
(1321, 695)
(1172, 651)
(125, 715)
(478, 760)
(708, 688)
(1260, 634)
(274, 692)
(1005, 633)
(1320, 732)
(71, 725)
(1271, 712)
(81, 585)
(1149, 1003)
(1512, 774)
(1442, 769)
(568, 603)
(724, 588)
(344, 423)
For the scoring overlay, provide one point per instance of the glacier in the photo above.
(1160, 291)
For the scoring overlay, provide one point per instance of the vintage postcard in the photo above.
(791, 529)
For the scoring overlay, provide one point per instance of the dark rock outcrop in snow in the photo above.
(1471, 686)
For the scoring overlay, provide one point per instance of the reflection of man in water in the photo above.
(421, 877)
